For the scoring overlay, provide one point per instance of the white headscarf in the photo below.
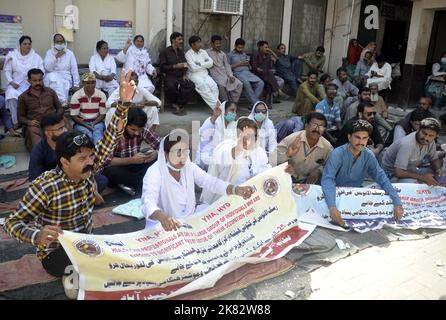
(137, 58)
(221, 131)
(169, 201)
(26, 62)
(267, 123)
(226, 147)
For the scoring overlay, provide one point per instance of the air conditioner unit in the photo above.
(233, 7)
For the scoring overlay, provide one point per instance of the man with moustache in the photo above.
(44, 157)
(367, 112)
(306, 151)
(63, 198)
(403, 160)
(349, 164)
(34, 104)
(173, 63)
(364, 95)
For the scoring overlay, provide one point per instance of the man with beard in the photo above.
(309, 94)
(173, 63)
(364, 96)
(346, 90)
(63, 198)
(349, 164)
(34, 104)
(128, 165)
(367, 112)
(306, 151)
(43, 155)
(403, 160)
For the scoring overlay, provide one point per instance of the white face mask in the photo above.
(60, 47)
(443, 60)
(374, 97)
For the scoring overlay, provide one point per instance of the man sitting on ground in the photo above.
(367, 112)
(128, 166)
(308, 96)
(306, 151)
(44, 157)
(63, 198)
(349, 164)
(414, 159)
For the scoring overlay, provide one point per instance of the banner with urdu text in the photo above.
(157, 264)
(370, 209)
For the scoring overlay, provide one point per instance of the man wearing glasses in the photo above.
(306, 151)
(367, 112)
(63, 198)
(44, 157)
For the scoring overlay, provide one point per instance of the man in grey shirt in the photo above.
(406, 159)
(239, 62)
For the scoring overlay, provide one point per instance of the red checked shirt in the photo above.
(130, 147)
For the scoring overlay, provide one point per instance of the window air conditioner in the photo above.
(233, 7)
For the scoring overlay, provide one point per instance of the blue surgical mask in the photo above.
(60, 47)
(230, 117)
(443, 60)
(259, 117)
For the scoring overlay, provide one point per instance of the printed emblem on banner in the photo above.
(89, 248)
(301, 189)
(271, 187)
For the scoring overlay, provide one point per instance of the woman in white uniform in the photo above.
(136, 58)
(17, 64)
(61, 72)
(103, 65)
(237, 161)
(220, 126)
(267, 132)
(168, 194)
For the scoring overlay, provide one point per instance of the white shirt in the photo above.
(193, 59)
(65, 65)
(141, 96)
(151, 200)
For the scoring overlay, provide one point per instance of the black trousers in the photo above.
(131, 175)
(179, 91)
(56, 262)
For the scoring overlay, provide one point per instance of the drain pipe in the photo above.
(169, 27)
(349, 27)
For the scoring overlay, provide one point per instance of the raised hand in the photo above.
(294, 148)
(127, 88)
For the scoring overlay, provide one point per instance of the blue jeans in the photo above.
(5, 118)
(97, 133)
(249, 81)
(101, 182)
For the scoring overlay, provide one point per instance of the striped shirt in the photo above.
(88, 108)
(54, 199)
(333, 113)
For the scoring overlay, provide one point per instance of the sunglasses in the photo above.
(371, 113)
(80, 140)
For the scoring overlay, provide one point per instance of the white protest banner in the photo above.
(370, 209)
(157, 264)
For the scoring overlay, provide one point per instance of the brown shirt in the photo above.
(31, 107)
(168, 58)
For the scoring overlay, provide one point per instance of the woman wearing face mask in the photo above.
(219, 127)
(61, 69)
(436, 83)
(267, 132)
(237, 161)
(17, 64)
(136, 58)
(168, 193)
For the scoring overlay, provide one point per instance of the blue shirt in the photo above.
(42, 159)
(333, 114)
(235, 57)
(362, 68)
(343, 170)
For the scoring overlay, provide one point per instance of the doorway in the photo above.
(394, 43)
